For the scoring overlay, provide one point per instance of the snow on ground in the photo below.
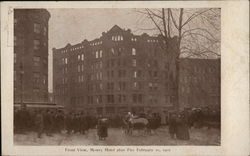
(116, 136)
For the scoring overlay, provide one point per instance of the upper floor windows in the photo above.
(64, 60)
(96, 43)
(134, 39)
(117, 38)
(98, 54)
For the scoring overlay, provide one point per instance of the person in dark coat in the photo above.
(24, 120)
(182, 131)
(172, 126)
(68, 123)
(82, 123)
(102, 128)
(16, 120)
(48, 123)
(39, 121)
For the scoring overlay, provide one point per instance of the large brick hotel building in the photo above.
(113, 74)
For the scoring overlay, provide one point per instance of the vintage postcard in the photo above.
(125, 78)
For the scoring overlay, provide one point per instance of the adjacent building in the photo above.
(199, 83)
(31, 55)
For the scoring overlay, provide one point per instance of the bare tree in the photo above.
(197, 33)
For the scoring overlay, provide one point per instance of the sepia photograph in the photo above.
(125, 78)
(117, 76)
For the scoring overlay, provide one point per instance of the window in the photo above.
(150, 85)
(134, 96)
(166, 65)
(82, 67)
(82, 57)
(78, 57)
(133, 51)
(139, 73)
(134, 62)
(101, 86)
(139, 98)
(155, 73)
(36, 28)
(44, 79)
(112, 73)
(44, 31)
(36, 60)
(36, 44)
(155, 86)
(15, 41)
(112, 51)
(112, 63)
(96, 54)
(15, 75)
(36, 77)
(155, 63)
(135, 85)
(66, 60)
(119, 98)
(100, 53)
(14, 57)
(100, 75)
(110, 98)
(135, 74)
(78, 68)
(15, 21)
(100, 65)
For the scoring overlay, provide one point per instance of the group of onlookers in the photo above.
(180, 122)
(49, 121)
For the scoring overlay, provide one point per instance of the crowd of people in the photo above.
(50, 121)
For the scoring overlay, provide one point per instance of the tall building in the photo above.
(199, 83)
(31, 55)
(113, 74)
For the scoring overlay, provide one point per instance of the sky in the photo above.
(74, 25)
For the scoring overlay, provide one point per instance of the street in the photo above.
(116, 136)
